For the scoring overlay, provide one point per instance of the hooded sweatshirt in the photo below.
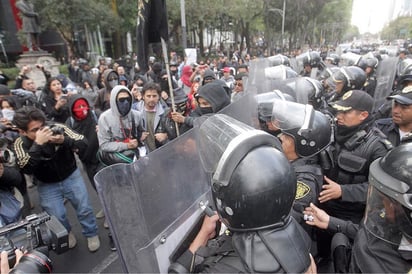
(103, 99)
(86, 127)
(215, 94)
(115, 129)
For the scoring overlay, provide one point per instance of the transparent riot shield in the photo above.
(150, 202)
(385, 75)
(349, 59)
(153, 205)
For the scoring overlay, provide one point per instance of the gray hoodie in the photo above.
(111, 133)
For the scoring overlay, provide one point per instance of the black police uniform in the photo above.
(351, 171)
(261, 251)
(309, 184)
(370, 84)
(373, 255)
(390, 129)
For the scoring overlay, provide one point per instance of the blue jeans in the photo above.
(74, 190)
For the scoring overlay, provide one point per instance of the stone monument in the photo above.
(32, 58)
(34, 55)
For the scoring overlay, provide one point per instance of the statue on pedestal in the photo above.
(31, 24)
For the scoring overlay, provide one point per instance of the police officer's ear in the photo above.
(363, 115)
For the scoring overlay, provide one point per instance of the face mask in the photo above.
(80, 109)
(181, 108)
(113, 83)
(8, 114)
(206, 110)
(124, 105)
(164, 85)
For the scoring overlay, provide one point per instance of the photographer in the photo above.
(46, 151)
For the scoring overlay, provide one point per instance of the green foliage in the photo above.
(66, 15)
(306, 21)
(11, 72)
(399, 28)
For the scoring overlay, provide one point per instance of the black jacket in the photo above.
(351, 172)
(373, 255)
(50, 163)
(388, 127)
(274, 250)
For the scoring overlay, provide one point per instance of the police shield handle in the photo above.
(207, 232)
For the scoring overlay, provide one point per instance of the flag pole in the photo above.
(169, 80)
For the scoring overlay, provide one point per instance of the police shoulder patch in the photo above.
(302, 190)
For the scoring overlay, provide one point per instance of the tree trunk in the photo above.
(201, 38)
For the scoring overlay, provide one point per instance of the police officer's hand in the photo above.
(331, 191)
(312, 268)
(43, 135)
(4, 261)
(207, 231)
(316, 217)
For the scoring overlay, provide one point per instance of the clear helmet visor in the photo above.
(280, 72)
(386, 219)
(223, 142)
(290, 115)
(349, 59)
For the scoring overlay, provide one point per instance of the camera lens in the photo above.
(33, 262)
(4, 156)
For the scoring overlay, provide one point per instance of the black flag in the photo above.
(151, 26)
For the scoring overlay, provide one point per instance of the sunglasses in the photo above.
(125, 99)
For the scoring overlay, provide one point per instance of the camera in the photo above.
(5, 156)
(37, 233)
(56, 129)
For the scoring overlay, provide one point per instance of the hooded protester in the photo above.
(184, 81)
(120, 127)
(183, 106)
(84, 121)
(211, 98)
(110, 79)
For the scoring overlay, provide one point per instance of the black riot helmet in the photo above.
(333, 59)
(404, 72)
(278, 59)
(260, 192)
(309, 91)
(368, 61)
(389, 204)
(353, 77)
(253, 184)
(280, 72)
(265, 103)
(349, 59)
(311, 129)
(311, 58)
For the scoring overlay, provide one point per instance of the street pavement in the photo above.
(79, 259)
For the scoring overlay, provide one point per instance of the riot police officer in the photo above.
(253, 188)
(358, 143)
(383, 243)
(305, 133)
(345, 79)
(369, 64)
(399, 126)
